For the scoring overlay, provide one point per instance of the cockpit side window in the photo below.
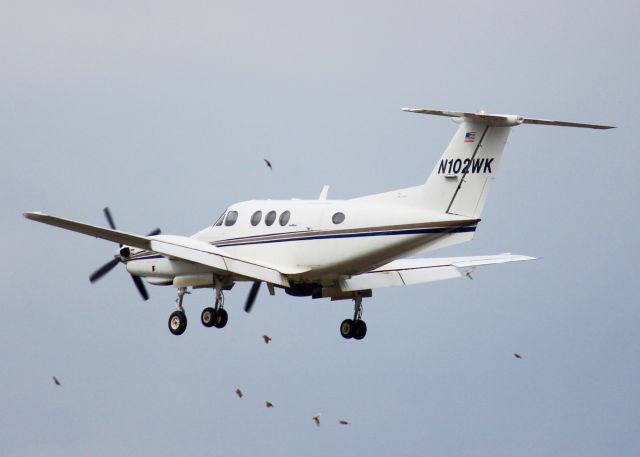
(218, 223)
(232, 217)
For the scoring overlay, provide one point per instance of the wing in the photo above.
(177, 247)
(404, 272)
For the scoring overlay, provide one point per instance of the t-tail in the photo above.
(460, 182)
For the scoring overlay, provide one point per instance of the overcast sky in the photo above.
(165, 110)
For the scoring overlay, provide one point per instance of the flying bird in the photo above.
(268, 404)
(239, 393)
(344, 422)
(55, 380)
(268, 164)
(469, 271)
(266, 339)
(517, 356)
(316, 419)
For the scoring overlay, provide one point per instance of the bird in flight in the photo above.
(517, 356)
(239, 393)
(268, 164)
(268, 404)
(469, 271)
(344, 422)
(266, 339)
(55, 380)
(316, 419)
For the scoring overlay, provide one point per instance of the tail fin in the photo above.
(461, 180)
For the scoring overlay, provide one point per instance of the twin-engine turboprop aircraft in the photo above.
(337, 249)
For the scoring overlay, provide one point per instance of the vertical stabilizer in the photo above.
(460, 182)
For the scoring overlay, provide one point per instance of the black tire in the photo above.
(220, 318)
(346, 328)
(360, 330)
(208, 317)
(177, 322)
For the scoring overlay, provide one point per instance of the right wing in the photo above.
(405, 272)
(176, 247)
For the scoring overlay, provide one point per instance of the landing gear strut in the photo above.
(354, 328)
(217, 316)
(178, 319)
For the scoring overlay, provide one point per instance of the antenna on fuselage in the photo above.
(324, 192)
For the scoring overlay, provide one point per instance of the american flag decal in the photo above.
(470, 137)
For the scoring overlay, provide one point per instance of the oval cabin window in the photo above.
(338, 218)
(270, 218)
(256, 218)
(284, 218)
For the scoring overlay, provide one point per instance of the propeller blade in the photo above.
(107, 214)
(141, 288)
(253, 293)
(104, 269)
(154, 232)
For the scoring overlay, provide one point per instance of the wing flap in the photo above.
(186, 248)
(380, 279)
(404, 272)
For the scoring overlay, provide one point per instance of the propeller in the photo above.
(111, 264)
(104, 269)
(253, 293)
(107, 214)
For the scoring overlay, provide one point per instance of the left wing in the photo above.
(404, 272)
(177, 247)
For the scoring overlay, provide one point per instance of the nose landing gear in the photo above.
(178, 319)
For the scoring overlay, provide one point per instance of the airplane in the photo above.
(336, 249)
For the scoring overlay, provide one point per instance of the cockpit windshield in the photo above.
(218, 222)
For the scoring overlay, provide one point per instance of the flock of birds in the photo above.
(269, 405)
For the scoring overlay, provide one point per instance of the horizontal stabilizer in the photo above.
(503, 120)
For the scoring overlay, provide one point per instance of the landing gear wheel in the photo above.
(220, 318)
(346, 328)
(177, 322)
(208, 317)
(359, 330)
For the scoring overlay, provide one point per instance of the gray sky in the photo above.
(165, 111)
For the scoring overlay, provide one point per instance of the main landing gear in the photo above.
(210, 317)
(216, 316)
(354, 328)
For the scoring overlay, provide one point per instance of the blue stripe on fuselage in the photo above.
(333, 236)
(355, 235)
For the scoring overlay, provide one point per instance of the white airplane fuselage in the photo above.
(310, 246)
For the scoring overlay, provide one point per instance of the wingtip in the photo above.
(32, 214)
